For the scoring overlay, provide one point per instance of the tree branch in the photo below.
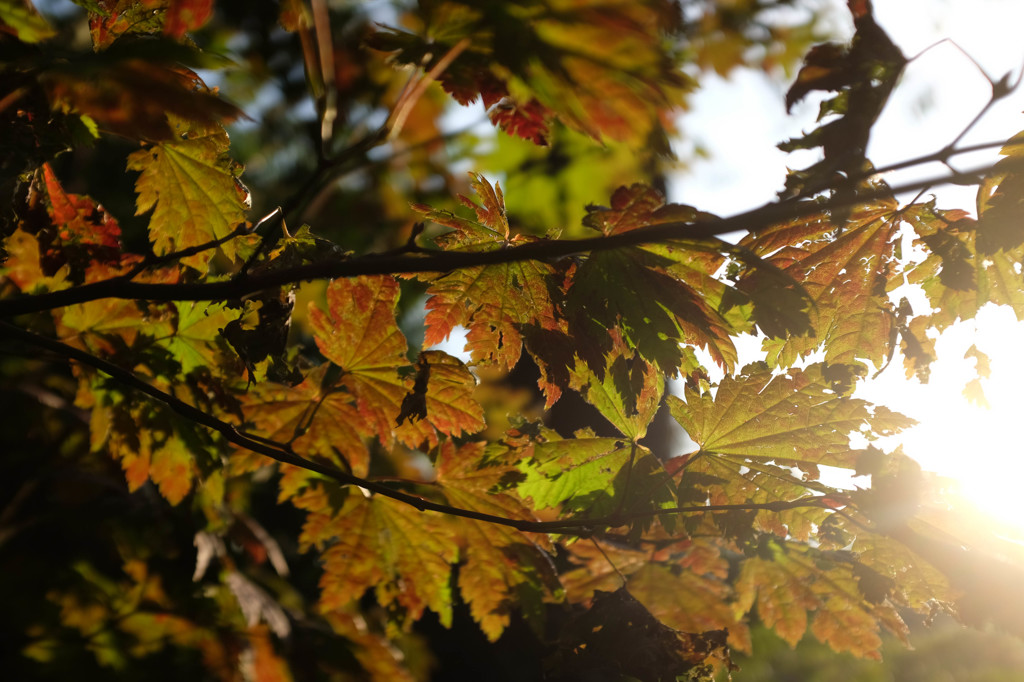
(447, 261)
(282, 454)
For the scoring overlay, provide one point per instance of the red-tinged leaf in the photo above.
(192, 187)
(845, 278)
(118, 17)
(500, 563)
(639, 206)
(403, 554)
(442, 395)
(496, 302)
(599, 68)
(79, 219)
(138, 89)
(182, 16)
(492, 211)
(529, 120)
(359, 334)
(793, 417)
(316, 419)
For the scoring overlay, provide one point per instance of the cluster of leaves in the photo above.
(220, 373)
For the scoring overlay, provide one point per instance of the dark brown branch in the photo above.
(447, 261)
(282, 454)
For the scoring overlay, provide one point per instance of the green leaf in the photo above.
(192, 187)
(200, 325)
(792, 417)
(627, 391)
(24, 21)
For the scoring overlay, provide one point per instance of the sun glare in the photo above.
(980, 446)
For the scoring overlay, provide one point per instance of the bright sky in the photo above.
(739, 121)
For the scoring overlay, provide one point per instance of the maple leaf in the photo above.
(688, 601)
(382, 544)
(955, 276)
(24, 267)
(443, 396)
(153, 453)
(494, 302)
(500, 564)
(1000, 199)
(595, 477)
(844, 276)
(198, 328)
(627, 390)
(783, 598)
(186, 15)
(142, 89)
(314, 418)
(794, 418)
(79, 218)
(106, 326)
(359, 334)
(82, 243)
(612, 290)
(579, 472)
(192, 187)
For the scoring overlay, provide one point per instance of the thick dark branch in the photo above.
(281, 453)
(447, 261)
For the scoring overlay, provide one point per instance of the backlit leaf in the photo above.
(501, 564)
(793, 417)
(199, 326)
(359, 334)
(627, 391)
(314, 417)
(192, 187)
(494, 302)
(845, 277)
(597, 66)
(384, 545)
